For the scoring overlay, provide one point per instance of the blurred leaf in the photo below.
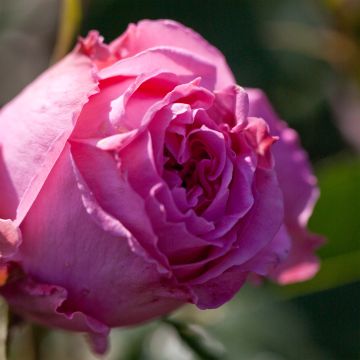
(69, 24)
(197, 340)
(337, 212)
(318, 42)
(256, 325)
(3, 328)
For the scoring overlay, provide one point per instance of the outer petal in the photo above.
(155, 33)
(302, 264)
(219, 290)
(42, 116)
(46, 304)
(116, 196)
(102, 276)
(298, 185)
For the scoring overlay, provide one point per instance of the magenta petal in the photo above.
(157, 33)
(293, 169)
(301, 263)
(217, 291)
(116, 196)
(262, 223)
(264, 219)
(68, 240)
(298, 185)
(271, 255)
(174, 236)
(45, 303)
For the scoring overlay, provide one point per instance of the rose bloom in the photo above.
(137, 176)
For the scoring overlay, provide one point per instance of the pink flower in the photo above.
(137, 176)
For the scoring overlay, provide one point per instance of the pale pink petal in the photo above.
(94, 119)
(187, 66)
(231, 106)
(155, 33)
(42, 116)
(302, 263)
(10, 238)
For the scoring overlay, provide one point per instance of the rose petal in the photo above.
(94, 119)
(298, 185)
(231, 106)
(43, 303)
(187, 66)
(10, 238)
(68, 240)
(262, 223)
(42, 116)
(219, 290)
(293, 169)
(116, 196)
(154, 33)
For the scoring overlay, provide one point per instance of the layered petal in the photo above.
(187, 66)
(149, 34)
(75, 253)
(136, 176)
(298, 185)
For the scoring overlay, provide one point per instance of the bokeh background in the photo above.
(306, 56)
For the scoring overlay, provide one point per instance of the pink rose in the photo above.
(137, 176)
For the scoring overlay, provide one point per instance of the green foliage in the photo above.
(337, 213)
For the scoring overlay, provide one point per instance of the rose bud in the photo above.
(137, 176)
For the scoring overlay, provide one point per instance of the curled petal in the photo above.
(47, 304)
(93, 46)
(231, 106)
(187, 66)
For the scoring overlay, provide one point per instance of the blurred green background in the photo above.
(306, 56)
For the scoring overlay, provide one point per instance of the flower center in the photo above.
(191, 175)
